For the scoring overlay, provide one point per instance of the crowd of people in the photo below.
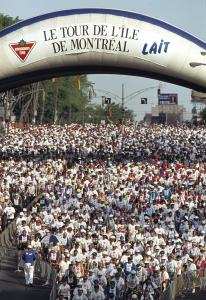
(122, 207)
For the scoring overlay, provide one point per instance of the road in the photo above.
(12, 284)
(201, 295)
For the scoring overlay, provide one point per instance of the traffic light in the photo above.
(158, 92)
(143, 100)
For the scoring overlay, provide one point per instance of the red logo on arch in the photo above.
(22, 49)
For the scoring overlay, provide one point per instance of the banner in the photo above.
(99, 41)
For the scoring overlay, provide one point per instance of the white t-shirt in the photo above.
(64, 265)
(9, 211)
(64, 290)
(132, 281)
(97, 295)
(82, 297)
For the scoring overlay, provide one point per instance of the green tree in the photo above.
(65, 102)
(115, 113)
(111, 113)
(6, 21)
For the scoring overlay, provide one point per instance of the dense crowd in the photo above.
(122, 210)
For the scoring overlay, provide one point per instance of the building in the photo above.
(168, 114)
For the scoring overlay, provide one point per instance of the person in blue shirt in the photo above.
(129, 266)
(29, 257)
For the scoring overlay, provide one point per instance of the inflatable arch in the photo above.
(100, 41)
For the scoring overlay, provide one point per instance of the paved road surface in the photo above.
(199, 295)
(12, 284)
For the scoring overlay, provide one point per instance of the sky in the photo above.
(188, 15)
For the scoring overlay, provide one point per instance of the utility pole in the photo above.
(43, 106)
(35, 102)
(70, 112)
(6, 106)
(83, 114)
(56, 104)
(123, 103)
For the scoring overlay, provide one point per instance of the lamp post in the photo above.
(126, 99)
(123, 111)
(198, 64)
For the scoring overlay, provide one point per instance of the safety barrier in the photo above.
(43, 269)
(53, 293)
(7, 240)
(7, 236)
(184, 284)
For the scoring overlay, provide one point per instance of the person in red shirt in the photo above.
(200, 264)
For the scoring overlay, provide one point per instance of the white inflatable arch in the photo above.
(83, 41)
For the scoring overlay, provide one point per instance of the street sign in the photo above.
(143, 100)
(167, 99)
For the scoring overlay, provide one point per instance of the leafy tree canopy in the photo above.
(6, 21)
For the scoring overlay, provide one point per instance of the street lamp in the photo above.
(128, 97)
(197, 64)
